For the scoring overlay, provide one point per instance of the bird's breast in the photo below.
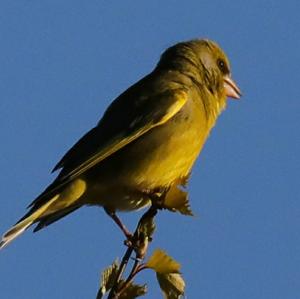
(156, 159)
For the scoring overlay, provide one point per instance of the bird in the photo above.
(148, 139)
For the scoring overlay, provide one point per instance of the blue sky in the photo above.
(63, 62)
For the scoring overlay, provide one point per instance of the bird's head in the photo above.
(205, 63)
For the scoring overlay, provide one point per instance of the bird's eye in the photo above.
(222, 66)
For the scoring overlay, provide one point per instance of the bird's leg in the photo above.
(139, 245)
(112, 214)
(139, 241)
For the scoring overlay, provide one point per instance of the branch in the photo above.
(138, 244)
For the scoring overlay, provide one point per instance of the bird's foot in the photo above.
(157, 196)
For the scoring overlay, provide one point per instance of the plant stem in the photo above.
(114, 292)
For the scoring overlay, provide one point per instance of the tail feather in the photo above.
(47, 209)
(45, 221)
(22, 225)
(15, 231)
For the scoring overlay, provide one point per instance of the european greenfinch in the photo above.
(147, 140)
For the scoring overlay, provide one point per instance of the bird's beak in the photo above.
(231, 89)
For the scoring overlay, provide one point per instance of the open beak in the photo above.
(231, 89)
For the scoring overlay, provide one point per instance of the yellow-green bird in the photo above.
(147, 140)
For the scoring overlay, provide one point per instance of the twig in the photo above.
(122, 268)
(134, 246)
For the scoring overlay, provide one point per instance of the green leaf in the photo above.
(133, 291)
(177, 199)
(108, 277)
(162, 263)
(172, 285)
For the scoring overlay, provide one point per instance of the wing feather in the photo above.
(123, 122)
(157, 113)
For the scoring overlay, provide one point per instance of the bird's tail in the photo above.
(48, 208)
(22, 225)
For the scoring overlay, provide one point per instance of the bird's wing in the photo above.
(122, 123)
(131, 115)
